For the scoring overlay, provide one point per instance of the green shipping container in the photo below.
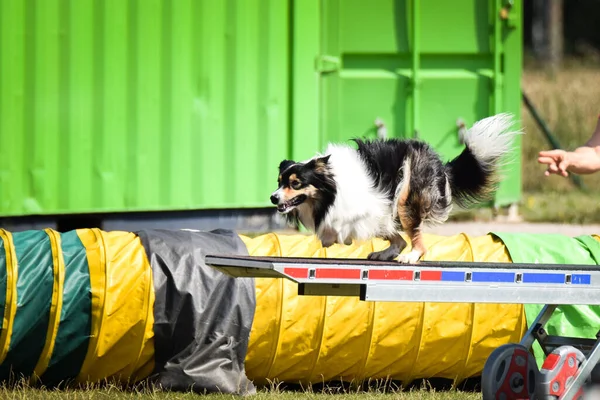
(144, 105)
(418, 67)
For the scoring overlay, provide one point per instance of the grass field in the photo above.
(568, 103)
(434, 389)
(571, 207)
(118, 394)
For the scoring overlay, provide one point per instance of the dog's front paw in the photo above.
(327, 243)
(383, 255)
(412, 257)
(328, 237)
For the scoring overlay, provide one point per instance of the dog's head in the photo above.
(300, 183)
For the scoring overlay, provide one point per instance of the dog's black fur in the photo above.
(419, 186)
(320, 178)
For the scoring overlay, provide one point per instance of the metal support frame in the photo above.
(450, 282)
(446, 282)
(590, 347)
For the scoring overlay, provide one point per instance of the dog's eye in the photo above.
(296, 185)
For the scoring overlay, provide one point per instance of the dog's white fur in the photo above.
(491, 137)
(361, 211)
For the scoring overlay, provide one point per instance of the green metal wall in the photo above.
(141, 104)
(123, 105)
(418, 66)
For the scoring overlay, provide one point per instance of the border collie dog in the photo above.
(385, 187)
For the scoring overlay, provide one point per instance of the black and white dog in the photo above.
(385, 187)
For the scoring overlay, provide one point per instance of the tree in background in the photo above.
(554, 29)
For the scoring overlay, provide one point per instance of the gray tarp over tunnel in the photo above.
(202, 316)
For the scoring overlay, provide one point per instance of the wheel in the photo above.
(558, 371)
(510, 373)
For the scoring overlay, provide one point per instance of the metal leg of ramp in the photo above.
(510, 371)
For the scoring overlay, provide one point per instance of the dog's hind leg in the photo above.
(397, 244)
(411, 206)
(418, 249)
(409, 213)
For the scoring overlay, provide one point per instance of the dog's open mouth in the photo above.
(289, 205)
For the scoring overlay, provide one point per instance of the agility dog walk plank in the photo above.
(439, 281)
(510, 371)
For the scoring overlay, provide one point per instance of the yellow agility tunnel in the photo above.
(90, 305)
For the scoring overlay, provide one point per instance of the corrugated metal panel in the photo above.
(417, 66)
(141, 104)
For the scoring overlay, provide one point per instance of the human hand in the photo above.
(558, 161)
(584, 160)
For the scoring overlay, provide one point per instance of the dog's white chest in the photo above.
(347, 228)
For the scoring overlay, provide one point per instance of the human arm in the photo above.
(594, 141)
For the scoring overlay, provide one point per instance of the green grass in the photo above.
(553, 206)
(379, 389)
(121, 395)
(372, 389)
(114, 392)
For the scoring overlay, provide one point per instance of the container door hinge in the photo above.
(325, 63)
(462, 130)
(507, 16)
(381, 128)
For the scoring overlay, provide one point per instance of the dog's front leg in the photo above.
(328, 237)
(397, 244)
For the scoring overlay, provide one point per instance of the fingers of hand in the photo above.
(556, 160)
(547, 160)
(551, 153)
(554, 169)
(564, 164)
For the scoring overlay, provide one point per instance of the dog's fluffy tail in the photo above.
(474, 175)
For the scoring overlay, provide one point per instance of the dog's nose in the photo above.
(274, 199)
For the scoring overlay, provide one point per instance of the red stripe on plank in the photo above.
(391, 274)
(296, 272)
(431, 275)
(334, 273)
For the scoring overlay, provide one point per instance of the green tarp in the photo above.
(576, 321)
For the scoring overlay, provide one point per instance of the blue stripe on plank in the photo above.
(489, 276)
(453, 276)
(543, 277)
(581, 279)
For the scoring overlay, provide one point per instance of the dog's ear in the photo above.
(285, 164)
(321, 163)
